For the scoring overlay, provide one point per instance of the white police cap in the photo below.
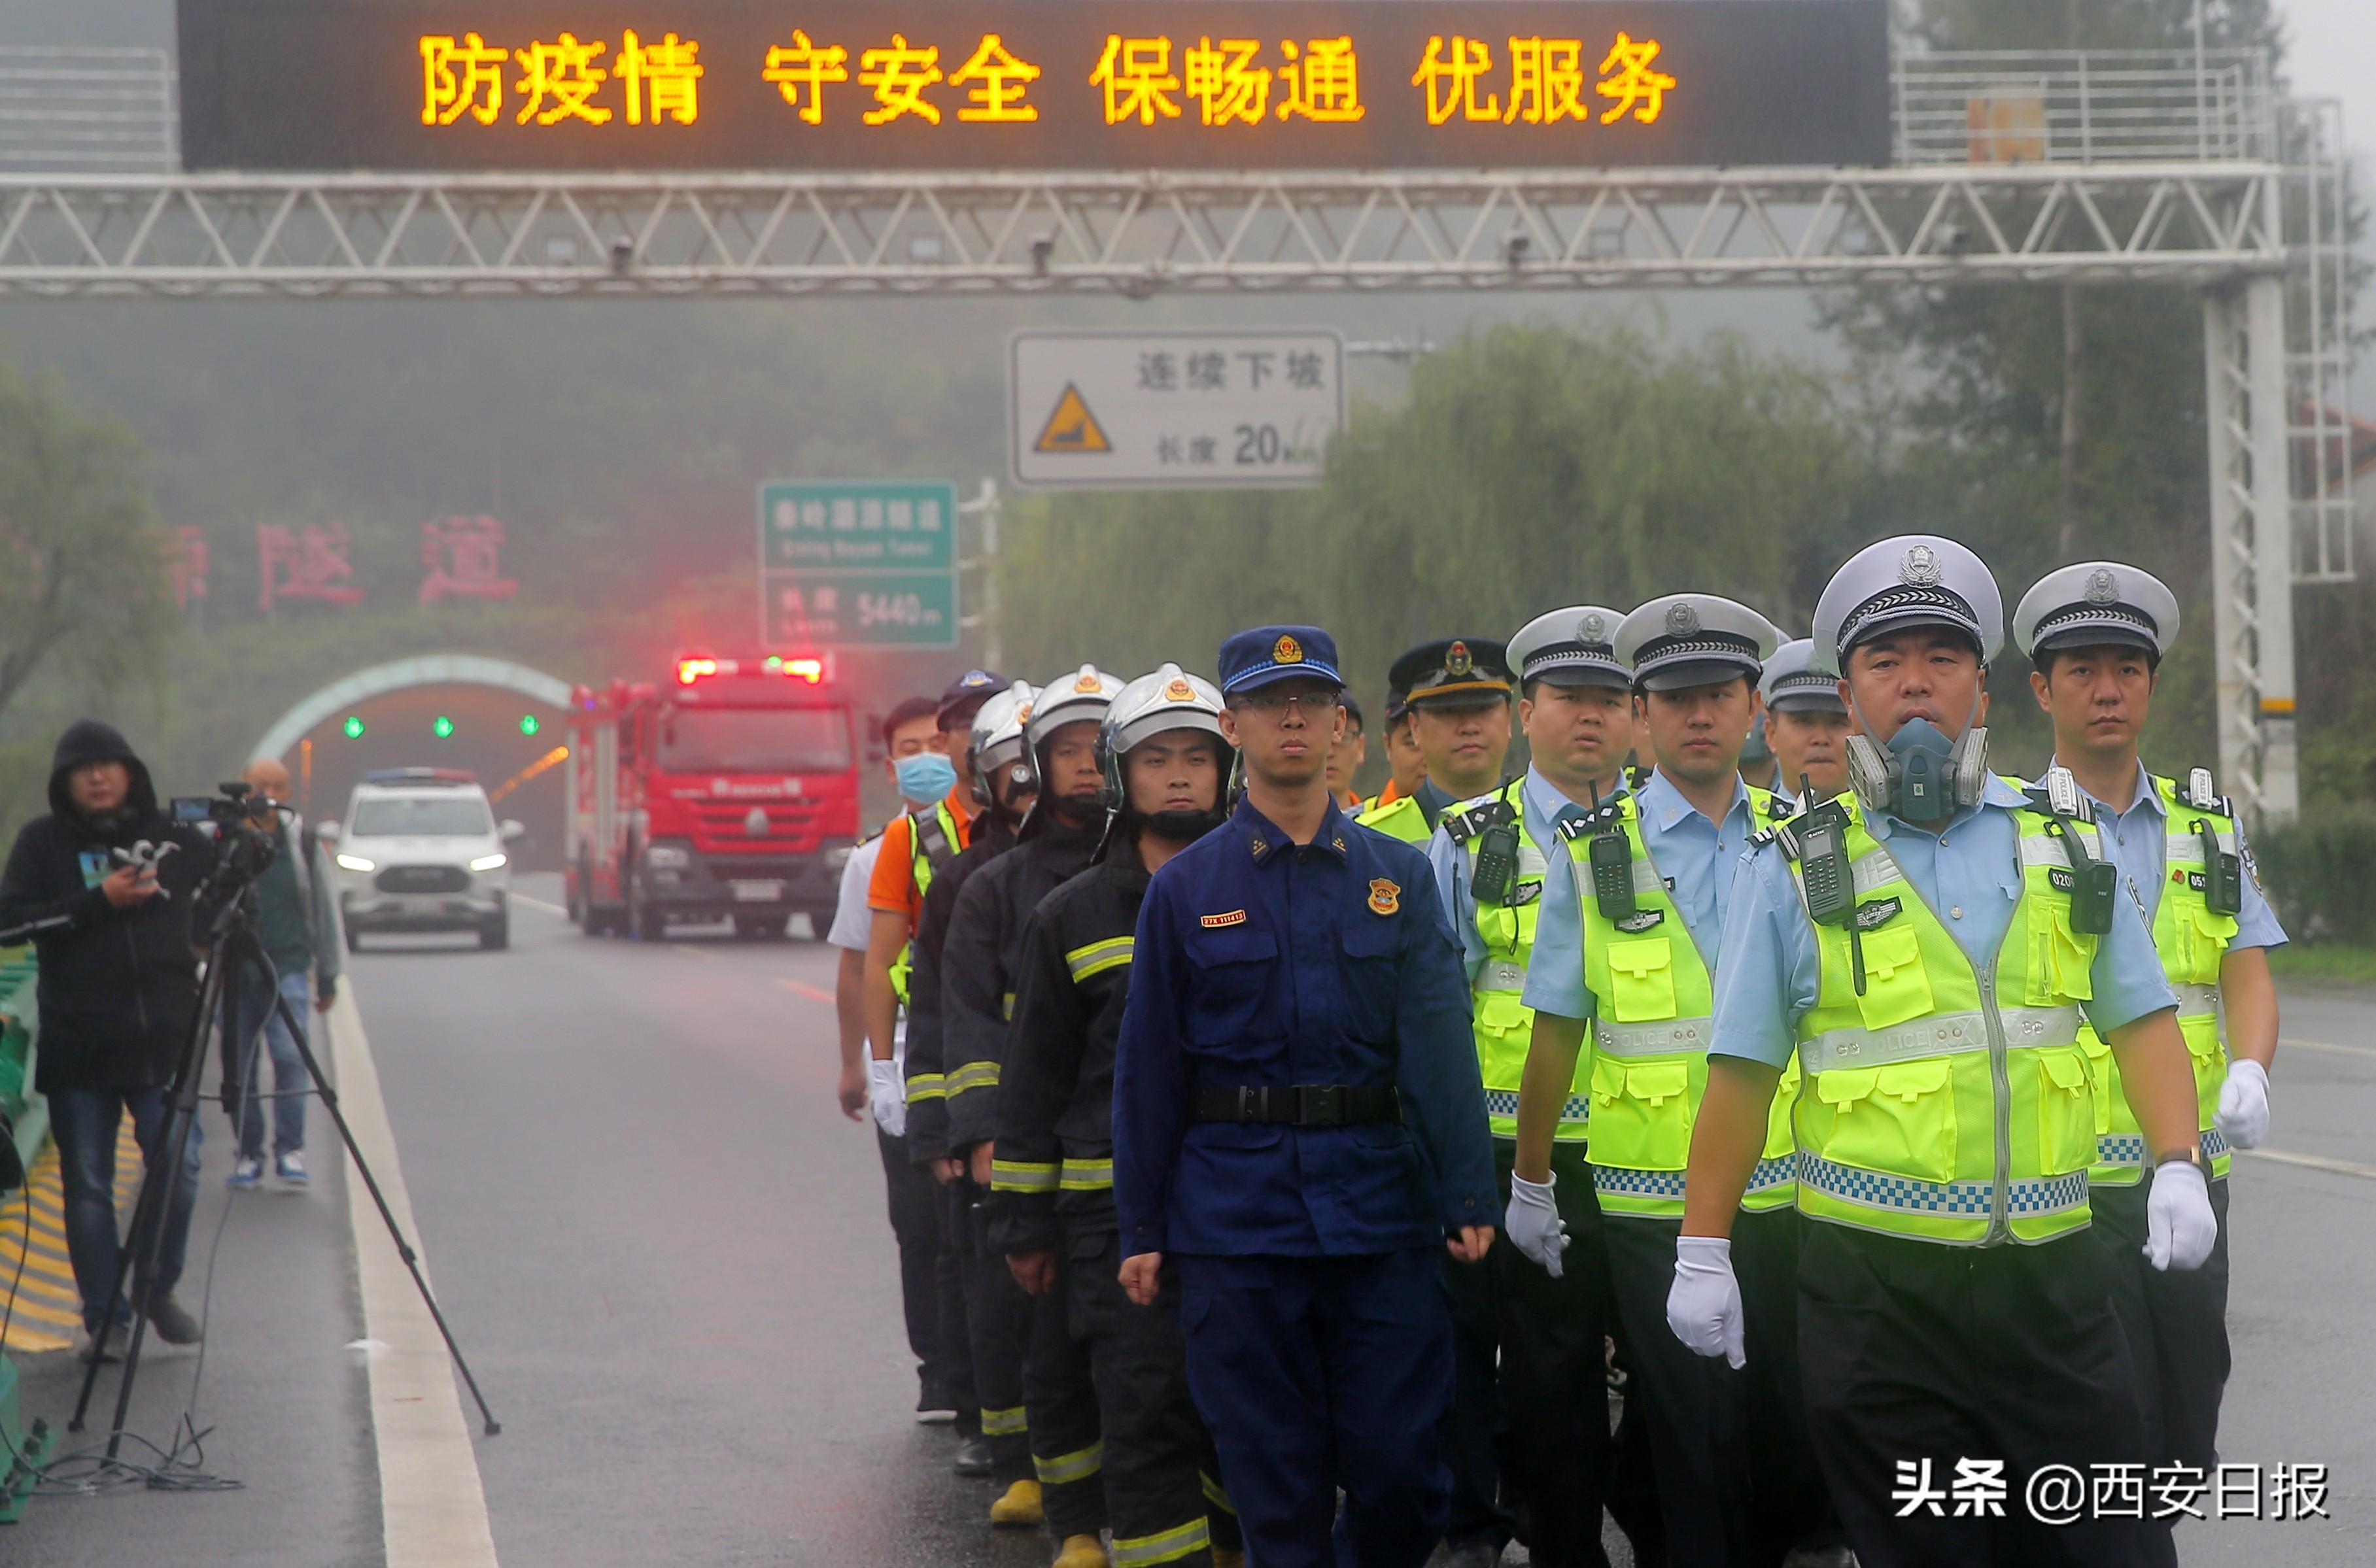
(1792, 683)
(1156, 704)
(1916, 579)
(2095, 603)
(1575, 647)
(1086, 693)
(1694, 639)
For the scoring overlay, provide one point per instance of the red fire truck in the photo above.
(722, 792)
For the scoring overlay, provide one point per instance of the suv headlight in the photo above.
(667, 857)
(491, 862)
(356, 862)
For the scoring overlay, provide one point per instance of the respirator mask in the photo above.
(1921, 777)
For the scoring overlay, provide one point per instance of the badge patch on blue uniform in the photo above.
(1386, 898)
(1214, 922)
(1641, 920)
(1879, 912)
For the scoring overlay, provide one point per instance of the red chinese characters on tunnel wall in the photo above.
(464, 558)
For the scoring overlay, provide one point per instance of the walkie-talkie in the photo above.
(1612, 867)
(1493, 879)
(2223, 873)
(1829, 879)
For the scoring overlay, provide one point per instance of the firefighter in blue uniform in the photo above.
(1298, 1127)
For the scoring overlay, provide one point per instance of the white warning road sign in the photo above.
(1172, 410)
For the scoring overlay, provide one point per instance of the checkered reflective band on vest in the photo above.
(1946, 1103)
(1504, 1025)
(2192, 939)
(1654, 999)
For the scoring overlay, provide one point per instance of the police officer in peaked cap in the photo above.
(1920, 949)
(1299, 1133)
(1806, 723)
(1457, 690)
(1531, 1340)
(2096, 634)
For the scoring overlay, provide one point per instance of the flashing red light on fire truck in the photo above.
(692, 668)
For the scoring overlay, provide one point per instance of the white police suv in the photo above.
(420, 850)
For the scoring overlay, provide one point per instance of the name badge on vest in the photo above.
(1878, 912)
(1641, 920)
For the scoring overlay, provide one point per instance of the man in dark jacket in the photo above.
(113, 883)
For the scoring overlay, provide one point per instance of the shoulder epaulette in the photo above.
(1471, 817)
(1611, 812)
(1784, 832)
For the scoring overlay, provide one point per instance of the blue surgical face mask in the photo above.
(925, 776)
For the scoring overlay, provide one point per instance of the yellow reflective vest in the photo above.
(2192, 939)
(1503, 1023)
(1945, 1103)
(1399, 818)
(923, 857)
(1653, 1000)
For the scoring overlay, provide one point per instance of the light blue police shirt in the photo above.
(2138, 838)
(1969, 875)
(1694, 856)
(1544, 806)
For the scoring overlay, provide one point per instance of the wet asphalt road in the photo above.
(665, 1252)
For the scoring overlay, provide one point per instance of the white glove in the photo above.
(886, 1092)
(1704, 1305)
(2180, 1226)
(1533, 1222)
(2243, 1118)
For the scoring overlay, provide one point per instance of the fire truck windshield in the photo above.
(726, 740)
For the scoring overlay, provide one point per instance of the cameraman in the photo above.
(117, 988)
(297, 920)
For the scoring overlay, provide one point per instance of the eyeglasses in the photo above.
(1271, 702)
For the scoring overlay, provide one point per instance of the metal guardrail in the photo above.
(2106, 106)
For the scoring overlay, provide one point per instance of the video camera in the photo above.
(235, 815)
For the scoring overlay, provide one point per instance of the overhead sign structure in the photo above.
(1032, 84)
(1172, 410)
(864, 563)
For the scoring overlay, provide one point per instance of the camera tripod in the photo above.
(232, 943)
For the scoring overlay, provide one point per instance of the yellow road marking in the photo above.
(540, 904)
(2323, 1045)
(803, 988)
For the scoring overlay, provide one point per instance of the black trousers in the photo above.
(953, 1216)
(1162, 1483)
(1529, 1433)
(2177, 1325)
(1915, 1353)
(914, 1199)
(998, 1326)
(1067, 1446)
(1728, 1448)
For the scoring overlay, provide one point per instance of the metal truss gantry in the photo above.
(2008, 169)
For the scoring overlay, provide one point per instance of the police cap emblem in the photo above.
(2102, 586)
(1920, 567)
(1086, 682)
(1593, 628)
(1683, 621)
(1457, 660)
(1179, 690)
(1286, 650)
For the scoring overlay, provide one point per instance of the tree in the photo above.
(85, 586)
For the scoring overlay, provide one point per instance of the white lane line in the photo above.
(2312, 1162)
(2323, 1045)
(433, 1506)
(540, 904)
(803, 988)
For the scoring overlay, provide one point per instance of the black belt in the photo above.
(1297, 1105)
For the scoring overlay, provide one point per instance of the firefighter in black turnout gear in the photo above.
(1164, 764)
(979, 1308)
(977, 966)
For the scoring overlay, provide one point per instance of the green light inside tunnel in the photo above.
(354, 727)
(443, 729)
(531, 724)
